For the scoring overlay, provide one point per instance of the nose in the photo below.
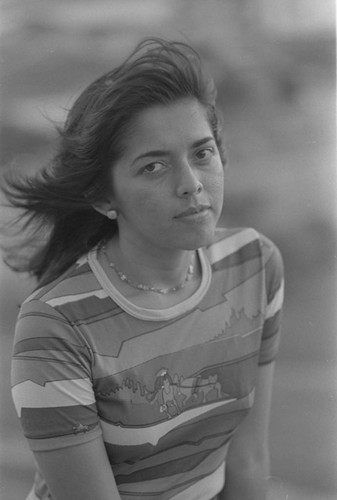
(188, 183)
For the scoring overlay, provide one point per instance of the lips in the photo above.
(192, 211)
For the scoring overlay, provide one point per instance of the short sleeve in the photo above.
(51, 380)
(274, 291)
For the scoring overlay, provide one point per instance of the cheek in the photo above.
(214, 183)
(145, 204)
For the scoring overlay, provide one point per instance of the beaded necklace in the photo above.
(148, 288)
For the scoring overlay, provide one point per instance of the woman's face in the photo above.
(168, 185)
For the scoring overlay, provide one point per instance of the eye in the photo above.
(153, 168)
(204, 154)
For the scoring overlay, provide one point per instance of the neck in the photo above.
(164, 268)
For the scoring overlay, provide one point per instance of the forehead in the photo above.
(166, 126)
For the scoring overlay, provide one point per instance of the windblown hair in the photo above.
(58, 201)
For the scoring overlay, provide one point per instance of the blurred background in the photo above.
(274, 65)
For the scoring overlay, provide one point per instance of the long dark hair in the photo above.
(58, 201)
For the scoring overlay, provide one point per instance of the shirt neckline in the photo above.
(152, 314)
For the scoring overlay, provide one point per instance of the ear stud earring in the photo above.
(111, 214)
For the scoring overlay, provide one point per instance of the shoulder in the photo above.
(231, 240)
(78, 276)
(66, 299)
(270, 252)
(47, 318)
(76, 281)
(239, 246)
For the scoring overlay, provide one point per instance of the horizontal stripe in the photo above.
(176, 466)
(206, 488)
(35, 315)
(133, 436)
(59, 442)
(92, 315)
(271, 326)
(162, 455)
(227, 279)
(48, 344)
(60, 393)
(130, 347)
(199, 432)
(76, 270)
(241, 257)
(91, 311)
(165, 487)
(276, 304)
(274, 271)
(269, 350)
(57, 301)
(44, 423)
(73, 282)
(205, 327)
(225, 247)
(41, 371)
(49, 356)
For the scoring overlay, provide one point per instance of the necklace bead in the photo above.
(148, 288)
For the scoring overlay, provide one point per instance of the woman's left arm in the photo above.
(247, 465)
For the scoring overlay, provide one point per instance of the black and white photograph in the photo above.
(168, 250)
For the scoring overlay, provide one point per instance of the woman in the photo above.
(143, 363)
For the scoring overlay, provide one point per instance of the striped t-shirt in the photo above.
(166, 389)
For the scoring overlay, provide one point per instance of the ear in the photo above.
(103, 206)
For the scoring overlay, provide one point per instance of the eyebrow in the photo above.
(161, 152)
